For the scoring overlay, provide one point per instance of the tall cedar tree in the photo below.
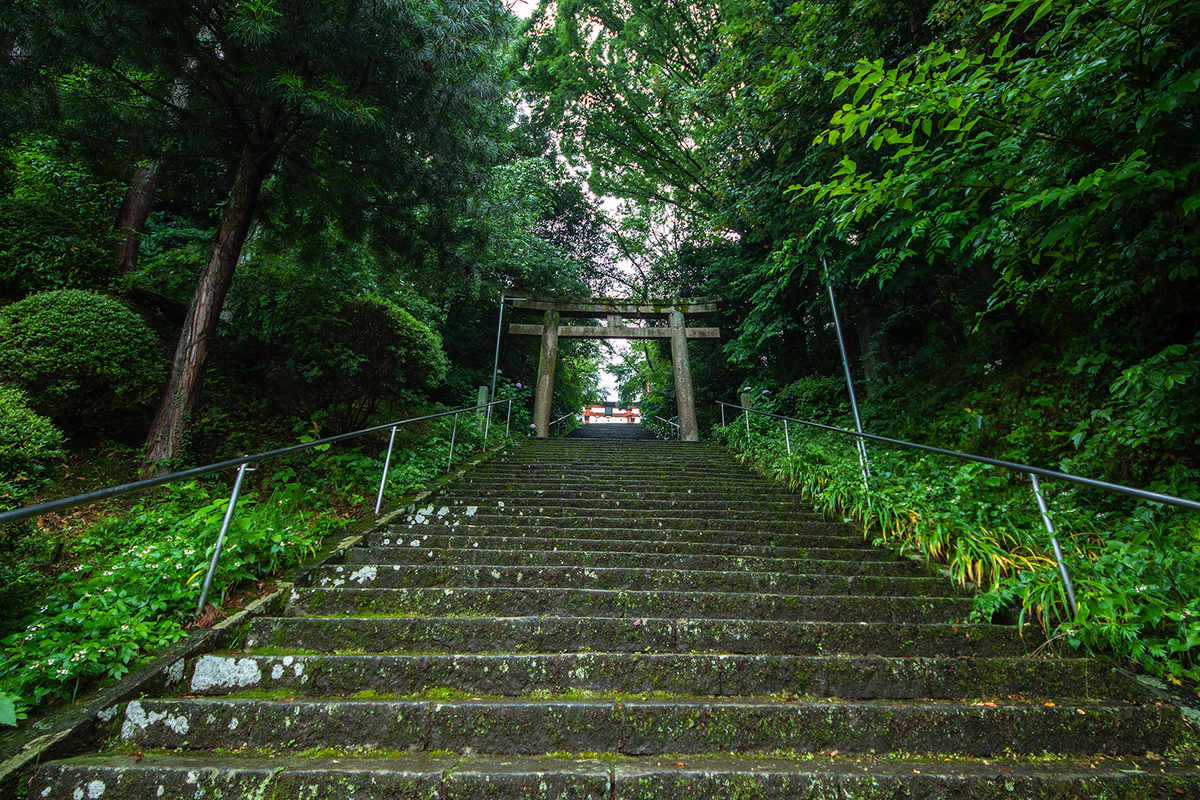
(381, 114)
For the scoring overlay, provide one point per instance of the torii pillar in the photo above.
(615, 312)
(545, 379)
(685, 401)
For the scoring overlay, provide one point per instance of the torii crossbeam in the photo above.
(615, 312)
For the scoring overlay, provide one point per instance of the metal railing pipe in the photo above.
(560, 419)
(666, 421)
(1058, 553)
(51, 506)
(508, 418)
(864, 462)
(242, 464)
(387, 462)
(1116, 488)
(453, 434)
(216, 556)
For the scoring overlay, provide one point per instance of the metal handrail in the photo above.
(1033, 472)
(560, 419)
(242, 463)
(1141, 494)
(665, 421)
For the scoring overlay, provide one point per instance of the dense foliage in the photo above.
(1133, 576)
(135, 584)
(42, 249)
(77, 354)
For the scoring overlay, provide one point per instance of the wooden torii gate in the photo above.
(615, 312)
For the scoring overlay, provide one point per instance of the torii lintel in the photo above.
(615, 312)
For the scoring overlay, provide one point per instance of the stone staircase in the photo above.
(618, 431)
(633, 619)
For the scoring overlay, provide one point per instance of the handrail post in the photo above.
(486, 424)
(1058, 553)
(722, 414)
(860, 444)
(508, 418)
(453, 433)
(386, 463)
(787, 437)
(216, 556)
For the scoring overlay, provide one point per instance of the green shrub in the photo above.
(819, 398)
(341, 366)
(77, 354)
(139, 580)
(42, 249)
(29, 446)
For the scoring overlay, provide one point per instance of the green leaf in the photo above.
(1043, 9)
(8, 711)
(993, 11)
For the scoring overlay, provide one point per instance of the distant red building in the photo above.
(608, 413)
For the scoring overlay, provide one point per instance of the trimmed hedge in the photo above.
(78, 355)
(342, 366)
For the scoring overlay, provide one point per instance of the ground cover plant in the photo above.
(1134, 566)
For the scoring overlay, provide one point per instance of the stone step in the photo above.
(662, 479)
(637, 510)
(804, 537)
(647, 727)
(524, 674)
(514, 602)
(562, 517)
(535, 559)
(552, 634)
(560, 487)
(452, 777)
(459, 494)
(583, 577)
(663, 545)
(613, 464)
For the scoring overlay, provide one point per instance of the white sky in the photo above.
(522, 8)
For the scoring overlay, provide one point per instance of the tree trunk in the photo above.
(200, 325)
(131, 218)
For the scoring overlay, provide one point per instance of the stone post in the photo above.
(480, 399)
(684, 398)
(544, 395)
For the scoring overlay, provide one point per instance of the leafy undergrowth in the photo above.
(1134, 567)
(136, 584)
(128, 577)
